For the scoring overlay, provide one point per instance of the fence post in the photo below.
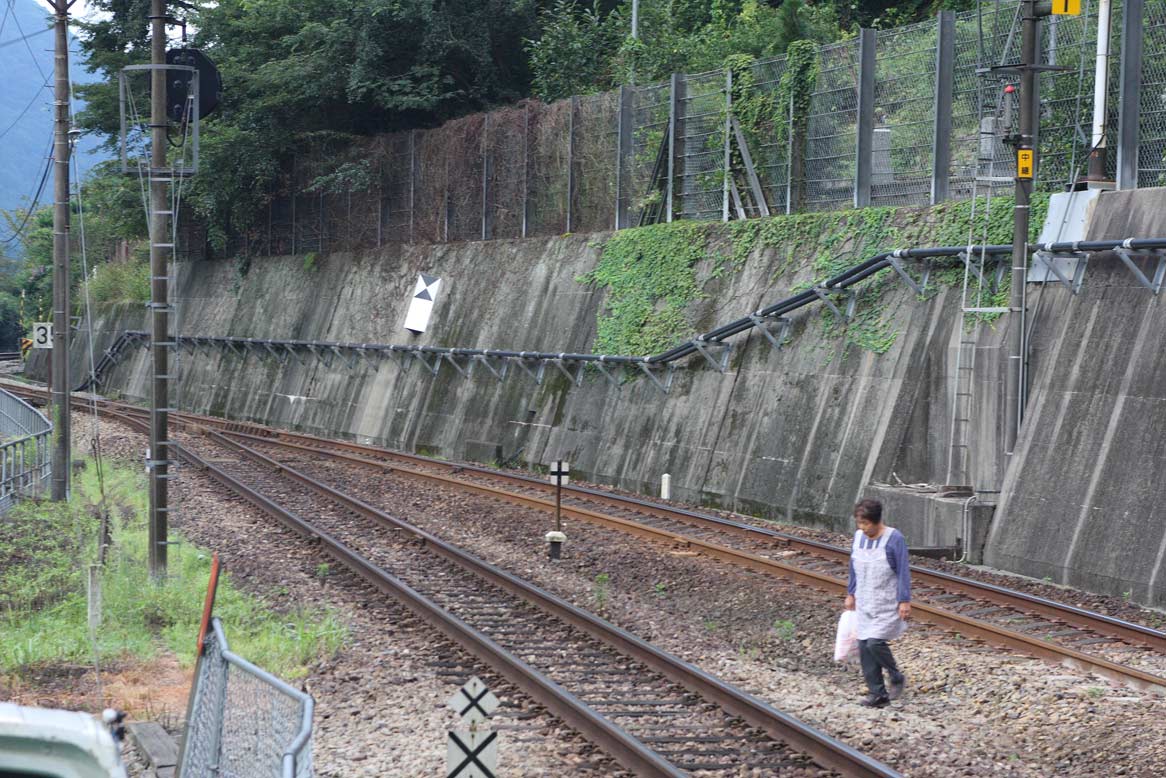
(294, 191)
(571, 183)
(1131, 93)
(944, 78)
(728, 144)
(487, 211)
(864, 133)
(673, 116)
(412, 179)
(525, 167)
(623, 145)
(445, 201)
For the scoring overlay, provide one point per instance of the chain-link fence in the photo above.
(1152, 103)
(244, 722)
(830, 137)
(25, 450)
(614, 159)
(700, 146)
(769, 140)
(902, 147)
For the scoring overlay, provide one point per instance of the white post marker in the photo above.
(421, 304)
(560, 477)
(665, 487)
(42, 334)
(472, 753)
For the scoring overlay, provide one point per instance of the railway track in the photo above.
(652, 712)
(1116, 649)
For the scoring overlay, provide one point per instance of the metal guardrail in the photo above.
(244, 722)
(25, 450)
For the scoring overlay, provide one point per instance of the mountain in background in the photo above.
(26, 95)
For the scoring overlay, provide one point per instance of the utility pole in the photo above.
(161, 245)
(61, 308)
(1025, 175)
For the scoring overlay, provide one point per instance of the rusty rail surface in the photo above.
(627, 750)
(942, 618)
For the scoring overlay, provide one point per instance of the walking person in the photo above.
(879, 591)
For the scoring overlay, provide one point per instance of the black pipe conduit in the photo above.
(838, 283)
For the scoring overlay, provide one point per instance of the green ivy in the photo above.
(650, 277)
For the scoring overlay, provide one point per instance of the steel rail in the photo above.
(616, 742)
(940, 617)
(1070, 614)
(823, 749)
(945, 619)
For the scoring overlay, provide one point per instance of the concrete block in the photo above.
(928, 520)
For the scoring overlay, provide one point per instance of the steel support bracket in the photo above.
(291, 350)
(466, 372)
(233, 347)
(766, 323)
(824, 295)
(1155, 285)
(537, 375)
(431, 368)
(716, 352)
(611, 379)
(664, 385)
(279, 355)
(1072, 284)
(918, 287)
(485, 361)
(351, 359)
(576, 379)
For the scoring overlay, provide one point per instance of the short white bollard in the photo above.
(665, 487)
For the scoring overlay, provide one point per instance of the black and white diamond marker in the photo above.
(421, 305)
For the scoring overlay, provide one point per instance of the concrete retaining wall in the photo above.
(793, 434)
(1085, 502)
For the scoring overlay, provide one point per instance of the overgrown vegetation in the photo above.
(650, 277)
(48, 547)
(651, 274)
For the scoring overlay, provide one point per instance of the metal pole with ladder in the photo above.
(61, 306)
(161, 249)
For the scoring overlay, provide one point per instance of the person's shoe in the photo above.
(895, 688)
(875, 701)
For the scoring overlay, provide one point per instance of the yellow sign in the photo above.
(1024, 163)
(1067, 7)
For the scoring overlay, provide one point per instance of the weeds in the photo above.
(600, 591)
(43, 617)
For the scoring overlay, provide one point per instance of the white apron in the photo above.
(877, 593)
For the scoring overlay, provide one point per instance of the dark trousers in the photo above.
(875, 655)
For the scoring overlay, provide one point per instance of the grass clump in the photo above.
(43, 615)
(120, 282)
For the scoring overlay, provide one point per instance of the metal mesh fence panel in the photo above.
(506, 156)
(1152, 103)
(830, 135)
(1066, 117)
(26, 456)
(430, 209)
(700, 147)
(596, 139)
(464, 139)
(548, 141)
(244, 722)
(904, 107)
(981, 108)
(769, 139)
(396, 185)
(649, 137)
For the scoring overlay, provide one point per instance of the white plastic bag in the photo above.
(846, 643)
